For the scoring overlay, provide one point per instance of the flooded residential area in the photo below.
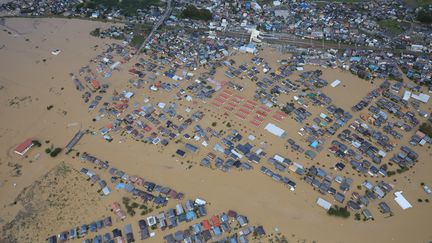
(215, 121)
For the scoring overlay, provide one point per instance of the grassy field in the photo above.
(391, 26)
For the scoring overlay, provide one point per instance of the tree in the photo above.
(95, 32)
(36, 143)
(425, 14)
(55, 152)
(357, 216)
(137, 40)
(339, 212)
(426, 129)
(192, 12)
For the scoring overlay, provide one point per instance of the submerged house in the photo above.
(180, 152)
(323, 203)
(191, 147)
(275, 130)
(401, 200)
(24, 147)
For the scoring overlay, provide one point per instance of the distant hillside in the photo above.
(418, 3)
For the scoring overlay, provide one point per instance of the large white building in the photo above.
(275, 130)
(401, 200)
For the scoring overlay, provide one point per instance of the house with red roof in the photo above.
(215, 221)
(206, 225)
(24, 147)
(95, 84)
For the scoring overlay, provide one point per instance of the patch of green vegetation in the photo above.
(339, 212)
(426, 129)
(137, 40)
(126, 7)
(125, 200)
(262, 2)
(192, 12)
(279, 238)
(36, 143)
(143, 206)
(391, 26)
(424, 15)
(142, 27)
(63, 169)
(357, 217)
(342, 1)
(95, 32)
(130, 211)
(129, 208)
(391, 173)
(55, 152)
(402, 170)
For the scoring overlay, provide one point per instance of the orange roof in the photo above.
(95, 84)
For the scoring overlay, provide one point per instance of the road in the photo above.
(156, 26)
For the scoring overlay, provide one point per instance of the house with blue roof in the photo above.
(355, 59)
(191, 147)
(314, 144)
(191, 215)
(217, 231)
(244, 149)
(252, 157)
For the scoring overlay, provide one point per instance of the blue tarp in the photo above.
(191, 215)
(217, 231)
(314, 144)
(268, 26)
(373, 67)
(355, 59)
(304, 5)
(120, 186)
